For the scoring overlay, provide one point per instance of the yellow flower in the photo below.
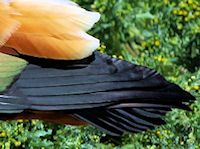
(196, 87)
(180, 26)
(3, 134)
(175, 12)
(103, 46)
(185, 13)
(180, 12)
(17, 143)
(163, 60)
(183, 5)
(157, 43)
(166, 1)
(144, 44)
(194, 6)
(101, 10)
(93, 6)
(34, 122)
(192, 17)
(158, 133)
(165, 131)
(114, 56)
(20, 121)
(197, 13)
(190, 2)
(120, 57)
(186, 19)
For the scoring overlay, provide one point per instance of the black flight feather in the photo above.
(111, 94)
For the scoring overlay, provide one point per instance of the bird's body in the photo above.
(50, 29)
(55, 76)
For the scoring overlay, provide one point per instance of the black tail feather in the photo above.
(146, 113)
(117, 121)
(128, 122)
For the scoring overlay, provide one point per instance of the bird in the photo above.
(50, 70)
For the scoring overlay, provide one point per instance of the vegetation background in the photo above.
(163, 35)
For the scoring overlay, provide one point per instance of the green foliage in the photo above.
(163, 35)
(172, 27)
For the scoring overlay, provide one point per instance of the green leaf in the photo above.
(146, 15)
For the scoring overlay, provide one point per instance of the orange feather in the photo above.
(7, 24)
(53, 29)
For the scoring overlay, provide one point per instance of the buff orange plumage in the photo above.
(49, 29)
(7, 24)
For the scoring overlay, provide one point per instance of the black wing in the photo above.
(112, 94)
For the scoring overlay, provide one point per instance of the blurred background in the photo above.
(163, 35)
